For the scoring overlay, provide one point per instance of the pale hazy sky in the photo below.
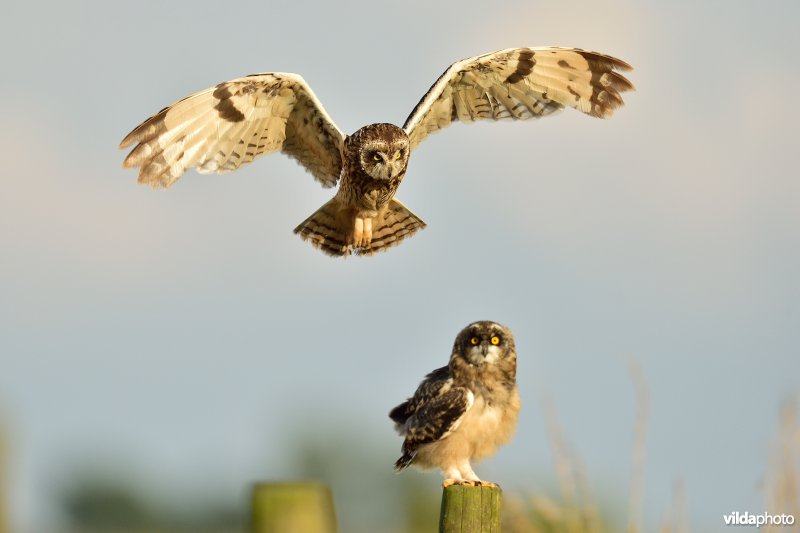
(181, 332)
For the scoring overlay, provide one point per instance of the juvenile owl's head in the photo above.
(485, 342)
(382, 150)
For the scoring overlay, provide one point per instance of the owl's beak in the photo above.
(484, 348)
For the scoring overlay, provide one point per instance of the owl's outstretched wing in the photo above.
(226, 126)
(435, 411)
(519, 83)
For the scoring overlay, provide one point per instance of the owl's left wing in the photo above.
(229, 125)
(519, 84)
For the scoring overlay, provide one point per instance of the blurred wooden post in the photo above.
(292, 508)
(468, 509)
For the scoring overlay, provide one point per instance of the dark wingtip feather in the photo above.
(620, 64)
(404, 461)
(612, 61)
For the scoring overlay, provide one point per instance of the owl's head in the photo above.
(485, 342)
(382, 150)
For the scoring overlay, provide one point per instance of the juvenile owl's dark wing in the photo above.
(226, 126)
(430, 387)
(520, 83)
(435, 411)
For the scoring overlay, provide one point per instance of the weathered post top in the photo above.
(467, 509)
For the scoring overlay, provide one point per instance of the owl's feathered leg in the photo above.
(362, 232)
(367, 240)
(452, 476)
(358, 231)
(468, 473)
(462, 475)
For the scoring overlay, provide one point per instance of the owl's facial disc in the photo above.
(383, 160)
(484, 352)
(484, 345)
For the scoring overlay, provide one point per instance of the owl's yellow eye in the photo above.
(495, 340)
(397, 154)
(376, 156)
(474, 341)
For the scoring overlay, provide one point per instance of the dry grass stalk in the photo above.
(781, 493)
(639, 453)
(4, 527)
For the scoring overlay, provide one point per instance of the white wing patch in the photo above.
(446, 386)
(454, 426)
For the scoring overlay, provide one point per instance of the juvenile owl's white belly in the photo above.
(482, 429)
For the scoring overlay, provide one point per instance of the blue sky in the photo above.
(183, 332)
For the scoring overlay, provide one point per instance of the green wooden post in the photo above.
(468, 509)
(292, 508)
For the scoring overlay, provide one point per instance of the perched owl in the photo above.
(465, 410)
(226, 126)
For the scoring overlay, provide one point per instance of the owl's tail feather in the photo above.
(326, 229)
(394, 225)
(330, 228)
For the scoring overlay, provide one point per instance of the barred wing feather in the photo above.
(519, 84)
(229, 125)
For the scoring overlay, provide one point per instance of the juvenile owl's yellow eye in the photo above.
(397, 154)
(376, 156)
(495, 340)
(474, 341)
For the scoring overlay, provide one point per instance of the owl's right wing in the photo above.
(223, 127)
(435, 411)
(437, 418)
(434, 384)
(519, 84)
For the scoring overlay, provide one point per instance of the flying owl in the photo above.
(465, 410)
(226, 126)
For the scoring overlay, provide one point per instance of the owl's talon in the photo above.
(466, 482)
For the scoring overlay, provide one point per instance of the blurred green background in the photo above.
(160, 351)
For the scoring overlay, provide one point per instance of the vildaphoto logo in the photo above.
(764, 519)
